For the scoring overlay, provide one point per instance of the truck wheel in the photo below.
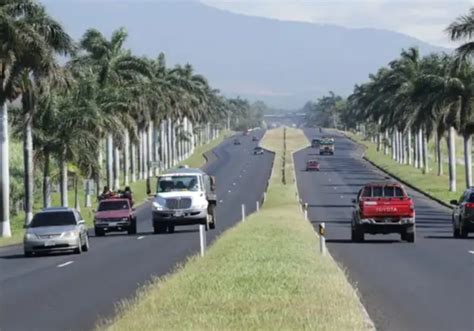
(158, 229)
(409, 236)
(462, 231)
(456, 233)
(133, 227)
(28, 254)
(171, 228)
(357, 235)
(211, 217)
(99, 232)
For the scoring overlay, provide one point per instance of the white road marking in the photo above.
(65, 264)
(335, 188)
(140, 238)
(471, 252)
(221, 201)
(230, 191)
(233, 184)
(342, 197)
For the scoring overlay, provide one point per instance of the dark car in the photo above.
(254, 138)
(315, 143)
(312, 165)
(236, 142)
(463, 214)
(114, 215)
(258, 150)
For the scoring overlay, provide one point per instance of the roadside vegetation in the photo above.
(106, 116)
(419, 113)
(263, 274)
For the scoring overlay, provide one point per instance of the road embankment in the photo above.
(265, 273)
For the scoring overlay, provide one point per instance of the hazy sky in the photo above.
(422, 19)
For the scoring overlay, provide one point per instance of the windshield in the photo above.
(53, 219)
(113, 205)
(178, 183)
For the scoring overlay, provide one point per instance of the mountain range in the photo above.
(282, 63)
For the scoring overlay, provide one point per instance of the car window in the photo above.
(377, 191)
(53, 219)
(367, 192)
(399, 192)
(471, 198)
(113, 205)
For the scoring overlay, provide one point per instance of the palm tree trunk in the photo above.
(46, 181)
(133, 163)
(452, 159)
(98, 174)
(5, 230)
(87, 196)
(379, 141)
(76, 193)
(409, 149)
(140, 155)
(386, 143)
(394, 142)
(439, 154)
(63, 181)
(110, 160)
(420, 148)
(163, 146)
(126, 158)
(468, 159)
(156, 148)
(149, 142)
(116, 168)
(28, 168)
(424, 138)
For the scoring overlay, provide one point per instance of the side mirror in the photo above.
(133, 209)
(81, 222)
(454, 202)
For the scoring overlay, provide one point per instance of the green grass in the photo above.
(264, 274)
(138, 188)
(437, 186)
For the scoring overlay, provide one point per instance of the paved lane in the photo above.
(428, 285)
(71, 292)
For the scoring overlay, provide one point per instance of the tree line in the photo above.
(106, 115)
(412, 100)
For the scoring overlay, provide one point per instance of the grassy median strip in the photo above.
(264, 274)
(138, 188)
(436, 186)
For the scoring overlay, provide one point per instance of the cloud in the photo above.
(423, 19)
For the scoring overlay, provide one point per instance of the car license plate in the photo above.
(112, 224)
(49, 243)
(178, 213)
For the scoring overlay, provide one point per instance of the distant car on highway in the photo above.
(315, 143)
(254, 138)
(383, 207)
(114, 215)
(56, 230)
(258, 150)
(236, 142)
(312, 165)
(463, 214)
(246, 132)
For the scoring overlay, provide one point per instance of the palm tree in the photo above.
(463, 29)
(30, 40)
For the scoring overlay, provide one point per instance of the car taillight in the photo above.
(470, 205)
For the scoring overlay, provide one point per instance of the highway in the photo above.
(72, 292)
(428, 285)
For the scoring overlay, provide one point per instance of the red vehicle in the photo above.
(312, 165)
(114, 215)
(383, 207)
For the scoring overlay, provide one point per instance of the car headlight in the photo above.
(68, 234)
(30, 236)
(124, 219)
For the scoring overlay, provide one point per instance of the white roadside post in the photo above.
(202, 238)
(243, 213)
(258, 206)
(322, 238)
(306, 211)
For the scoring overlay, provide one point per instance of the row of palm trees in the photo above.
(415, 99)
(144, 115)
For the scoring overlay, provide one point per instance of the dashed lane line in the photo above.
(65, 264)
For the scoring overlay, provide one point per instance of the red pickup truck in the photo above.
(114, 215)
(383, 207)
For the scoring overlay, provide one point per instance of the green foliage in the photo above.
(325, 112)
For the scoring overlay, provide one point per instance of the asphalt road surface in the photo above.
(428, 285)
(72, 292)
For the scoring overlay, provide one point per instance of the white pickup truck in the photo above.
(184, 197)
